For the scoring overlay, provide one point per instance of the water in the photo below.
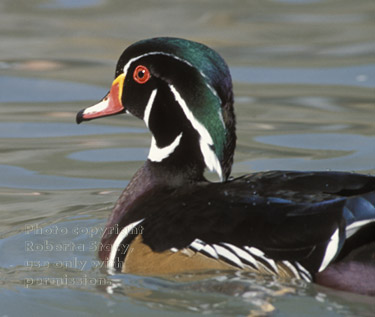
(304, 79)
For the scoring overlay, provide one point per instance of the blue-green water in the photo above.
(304, 79)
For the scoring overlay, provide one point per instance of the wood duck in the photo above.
(316, 226)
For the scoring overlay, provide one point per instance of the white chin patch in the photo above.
(205, 142)
(158, 154)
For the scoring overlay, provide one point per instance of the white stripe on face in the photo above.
(210, 158)
(205, 142)
(146, 116)
(127, 65)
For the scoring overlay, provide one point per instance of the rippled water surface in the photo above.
(304, 78)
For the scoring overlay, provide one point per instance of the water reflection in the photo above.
(11, 130)
(299, 66)
(355, 152)
(43, 65)
(25, 90)
(363, 75)
(111, 155)
(18, 177)
(70, 4)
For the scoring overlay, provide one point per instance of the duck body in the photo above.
(170, 219)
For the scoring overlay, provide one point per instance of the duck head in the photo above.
(183, 92)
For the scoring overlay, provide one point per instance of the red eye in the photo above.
(141, 74)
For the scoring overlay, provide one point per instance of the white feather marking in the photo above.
(228, 255)
(146, 116)
(255, 251)
(306, 274)
(210, 250)
(197, 245)
(174, 250)
(126, 67)
(210, 87)
(242, 254)
(292, 268)
(210, 158)
(260, 254)
(272, 263)
(331, 250)
(120, 237)
(355, 226)
(205, 142)
(220, 114)
(158, 154)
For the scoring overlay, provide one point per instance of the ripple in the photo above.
(18, 177)
(321, 141)
(21, 89)
(70, 4)
(10, 130)
(111, 155)
(360, 154)
(363, 75)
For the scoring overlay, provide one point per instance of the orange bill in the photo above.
(110, 105)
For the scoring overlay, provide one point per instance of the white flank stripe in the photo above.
(148, 108)
(306, 274)
(174, 250)
(120, 237)
(331, 250)
(242, 254)
(211, 251)
(255, 251)
(228, 255)
(210, 158)
(292, 268)
(197, 244)
(260, 254)
(355, 226)
(272, 263)
(158, 154)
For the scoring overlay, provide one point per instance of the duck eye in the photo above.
(141, 74)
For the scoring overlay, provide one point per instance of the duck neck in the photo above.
(150, 176)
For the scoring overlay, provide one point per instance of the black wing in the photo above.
(293, 216)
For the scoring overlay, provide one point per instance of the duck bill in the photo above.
(110, 105)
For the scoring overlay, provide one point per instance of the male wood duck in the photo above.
(316, 226)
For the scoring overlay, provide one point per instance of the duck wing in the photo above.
(302, 218)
